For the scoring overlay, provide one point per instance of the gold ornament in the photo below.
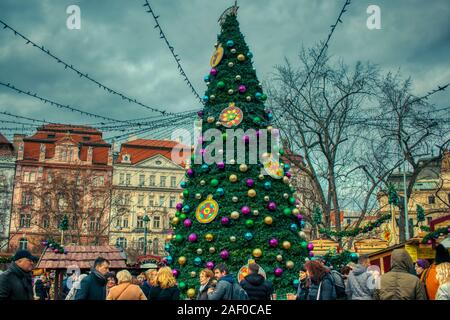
(168, 237)
(261, 177)
(191, 293)
(212, 250)
(217, 56)
(209, 237)
(268, 220)
(295, 211)
(175, 220)
(210, 119)
(243, 167)
(233, 178)
(289, 264)
(181, 195)
(241, 57)
(198, 196)
(285, 180)
(269, 128)
(257, 253)
(286, 245)
(251, 193)
(193, 274)
(182, 260)
(234, 215)
(279, 258)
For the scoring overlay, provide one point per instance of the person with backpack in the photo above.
(339, 284)
(227, 287)
(322, 286)
(256, 286)
(358, 281)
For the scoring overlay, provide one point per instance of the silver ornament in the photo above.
(233, 239)
(199, 251)
(230, 91)
(212, 250)
(230, 64)
(233, 50)
(218, 124)
(261, 177)
(235, 199)
(202, 182)
(248, 98)
(285, 196)
(232, 161)
(238, 78)
(266, 198)
(212, 97)
(255, 212)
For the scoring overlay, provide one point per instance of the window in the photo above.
(141, 200)
(157, 162)
(141, 242)
(27, 198)
(156, 222)
(23, 244)
(448, 196)
(151, 180)
(86, 138)
(25, 220)
(172, 202)
(49, 177)
(162, 181)
(349, 221)
(74, 225)
(29, 176)
(101, 180)
(161, 201)
(125, 222)
(151, 201)
(121, 243)
(141, 180)
(155, 246)
(128, 181)
(173, 182)
(429, 220)
(47, 203)
(94, 224)
(127, 199)
(62, 203)
(431, 199)
(140, 222)
(46, 221)
(122, 178)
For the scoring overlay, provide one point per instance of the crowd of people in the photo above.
(405, 280)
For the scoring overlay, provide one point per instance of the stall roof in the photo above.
(83, 257)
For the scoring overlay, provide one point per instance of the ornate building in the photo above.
(62, 171)
(7, 168)
(146, 189)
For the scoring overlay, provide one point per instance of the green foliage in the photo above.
(54, 246)
(317, 215)
(393, 197)
(64, 224)
(356, 231)
(420, 213)
(285, 226)
(436, 234)
(5, 259)
(339, 260)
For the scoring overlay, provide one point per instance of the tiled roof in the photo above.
(3, 140)
(83, 257)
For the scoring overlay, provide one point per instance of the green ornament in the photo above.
(178, 238)
(177, 214)
(224, 136)
(249, 223)
(182, 216)
(182, 285)
(185, 193)
(220, 84)
(304, 244)
(281, 151)
(214, 182)
(287, 211)
(292, 200)
(264, 97)
(257, 120)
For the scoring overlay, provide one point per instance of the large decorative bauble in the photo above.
(186, 194)
(233, 178)
(230, 64)
(212, 97)
(191, 292)
(257, 120)
(234, 215)
(286, 180)
(241, 57)
(233, 51)
(182, 216)
(205, 98)
(187, 223)
(182, 260)
(178, 238)
(169, 237)
(209, 237)
(231, 116)
(207, 210)
(273, 242)
(248, 236)
(249, 55)
(310, 246)
(272, 206)
(250, 182)
(232, 239)
(190, 172)
(311, 254)
(278, 272)
(285, 195)
(248, 98)
(169, 259)
(183, 184)
(232, 161)
(249, 223)
(214, 182)
(175, 220)
(210, 119)
(302, 223)
(179, 206)
(212, 250)
(245, 210)
(235, 199)
(230, 43)
(224, 254)
(213, 72)
(303, 244)
(243, 167)
(289, 264)
(295, 211)
(242, 88)
(199, 251)
(295, 283)
(220, 85)
(192, 237)
(257, 253)
(279, 258)
(258, 95)
(251, 193)
(268, 220)
(286, 245)
(202, 182)
(210, 265)
(225, 221)
(220, 165)
(302, 234)
(206, 78)
(299, 217)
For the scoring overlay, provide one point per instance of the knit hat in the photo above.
(424, 264)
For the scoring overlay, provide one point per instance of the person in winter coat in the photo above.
(166, 286)
(224, 287)
(321, 285)
(206, 278)
(429, 276)
(41, 288)
(358, 284)
(150, 282)
(256, 286)
(125, 290)
(93, 287)
(421, 266)
(75, 286)
(16, 282)
(399, 283)
(443, 277)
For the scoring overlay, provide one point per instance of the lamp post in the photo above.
(146, 220)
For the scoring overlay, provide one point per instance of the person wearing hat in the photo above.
(428, 277)
(16, 282)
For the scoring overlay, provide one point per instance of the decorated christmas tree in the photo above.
(236, 212)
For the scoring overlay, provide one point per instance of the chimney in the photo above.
(17, 139)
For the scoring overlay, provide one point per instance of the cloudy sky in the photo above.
(118, 46)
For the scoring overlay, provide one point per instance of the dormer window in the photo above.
(86, 138)
(157, 162)
(126, 158)
(51, 136)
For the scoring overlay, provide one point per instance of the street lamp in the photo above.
(146, 220)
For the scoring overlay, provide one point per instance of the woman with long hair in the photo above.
(166, 286)
(443, 277)
(321, 282)
(150, 281)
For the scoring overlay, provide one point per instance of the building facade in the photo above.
(62, 171)
(7, 169)
(146, 189)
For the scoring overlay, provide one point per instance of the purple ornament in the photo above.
(225, 221)
(242, 88)
(220, 165)
(213, 72)
(175, 273)
(278, 272)
(188, 223)
(310, 246)
(200, 113)
(429, 242)
(273, 242)
(258, 133)
(179, 206)
(56, 251)
(224, 254)
(190, 172)
(272, 206)
(210, 265)
(250, 183)
(288, 174)
(245, 210)
(299, 217)
(192, 237)
(311, 254)
(246, 138)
